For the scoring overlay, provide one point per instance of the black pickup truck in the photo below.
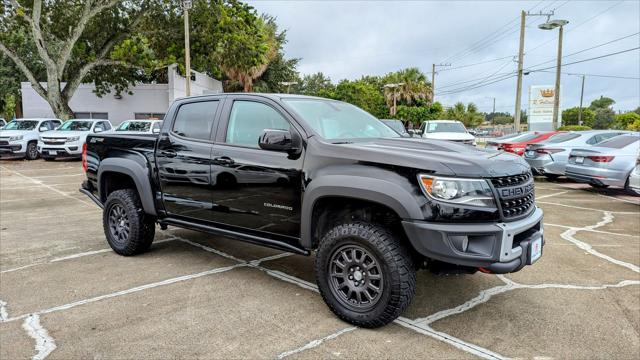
(307, 174)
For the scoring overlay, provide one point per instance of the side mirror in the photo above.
(98, 130)
(279, 140)
(43, 128)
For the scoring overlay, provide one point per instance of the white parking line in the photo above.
(586, 208)
(4, 315)
(637, 202)
(48, 187)
(315, 343)
(550, 195)
(34, 186)
(44, 343)
(590, 230)
(55, 176)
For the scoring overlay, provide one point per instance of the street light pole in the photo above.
(433, 80)
(581, 96)
(186, 5)
(288, 85)
(556, 98)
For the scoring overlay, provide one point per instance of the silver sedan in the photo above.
(608, 164)
(550, 157)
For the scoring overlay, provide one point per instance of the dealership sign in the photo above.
(541, 99)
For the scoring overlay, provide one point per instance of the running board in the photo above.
(258, 240)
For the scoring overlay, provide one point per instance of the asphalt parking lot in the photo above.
(64, 294)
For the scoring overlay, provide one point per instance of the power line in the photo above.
(592, 75)
(474, 80)
(478, 63)
(589, 59)
(591, 48)
(506, 77)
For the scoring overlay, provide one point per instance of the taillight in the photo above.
(600, 158)
(85, 166)
(548, 151)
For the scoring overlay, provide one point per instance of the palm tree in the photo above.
(411, 86)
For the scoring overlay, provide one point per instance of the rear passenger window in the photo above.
(194, 120)
(249, 119)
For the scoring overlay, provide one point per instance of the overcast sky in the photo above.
(348, 39)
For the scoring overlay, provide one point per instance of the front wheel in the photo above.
(32, 151)
(128, 229)
(365, 275)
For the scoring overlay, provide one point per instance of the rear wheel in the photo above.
(598, 186)
(365, 275)
(32, 151)
(128, 229)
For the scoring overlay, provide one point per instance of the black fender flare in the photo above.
(380, 191)
(138, 172)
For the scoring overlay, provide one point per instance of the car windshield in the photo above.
(562, 137)
(395, 125)
(455, 127)
(142, 126)
(21, 125)
(338, 120)
(75, 125)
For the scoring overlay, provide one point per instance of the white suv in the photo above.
(451, 130)
(19, 138)
(68, 139)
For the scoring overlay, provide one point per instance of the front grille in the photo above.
(516, 194)
(54, 141)
(4, 143)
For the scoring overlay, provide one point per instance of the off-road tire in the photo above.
(32, 151)
(141, 227)
(397, 269)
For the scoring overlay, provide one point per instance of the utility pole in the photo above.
(516, 115)
(523, 19)
(186, 5)
(494, 105)
(433, 80)
(556, 95)
(581, 95)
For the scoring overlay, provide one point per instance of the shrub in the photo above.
(573, 128)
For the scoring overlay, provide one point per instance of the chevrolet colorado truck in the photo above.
(305, 174)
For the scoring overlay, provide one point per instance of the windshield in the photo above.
(395, 125)
(619, 142)
(21, 125)
(338, 120)
(436, 127)
(142, 126)
(76, 126)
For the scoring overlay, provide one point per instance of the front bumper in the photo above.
(13, 148)
(66, 150)
(500, 248)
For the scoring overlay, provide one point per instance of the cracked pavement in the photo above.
(64, 294)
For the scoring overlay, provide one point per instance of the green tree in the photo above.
(469, 114)
(570, 116)
(626, 120)
(418, 114)
(503, 120)
(412, 87)
(604, 119)
(363, 95)
(602, 103)
(316, 85)
(70, 41)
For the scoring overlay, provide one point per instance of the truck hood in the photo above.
(448, 136)
(56, 133)
(437, 156)
(4, 133)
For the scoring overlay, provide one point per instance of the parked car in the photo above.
(373, 205)
(397, 126)
(451, 130)
(3, 122)
(609, 163)
(517, 145)
(550, 157)
(634, 178)
(139, 126)
(68, 139)
(494, 144)
(19, 138)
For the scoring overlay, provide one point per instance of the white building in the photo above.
(147, 101)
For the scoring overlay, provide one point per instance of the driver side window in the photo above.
(249, 119)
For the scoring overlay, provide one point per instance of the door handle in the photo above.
(168, 153)
(223, 160)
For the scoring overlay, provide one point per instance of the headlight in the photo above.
(16, 138)
(73, 138)
(471, 192)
